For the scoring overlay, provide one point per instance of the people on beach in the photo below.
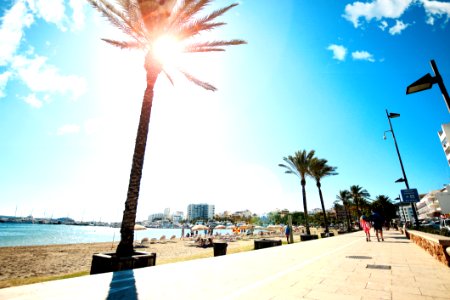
(287, 232)
(365, 225)
(377, 221)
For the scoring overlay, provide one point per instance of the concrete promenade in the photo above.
(331, 268)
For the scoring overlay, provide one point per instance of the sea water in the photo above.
(21, 234)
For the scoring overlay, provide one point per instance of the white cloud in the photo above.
(52, 11)
(42, 77)
(383, 25)
(3, 82)
(377, 9)
(339, 52)
(436, 9)
(398, 27)
(362, 55)
(11, 30)
(33, 101)
(77, 13)
(68, 129)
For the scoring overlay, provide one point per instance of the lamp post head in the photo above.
(384, 136)
(398, 198)
(393, 115)
(424, 83)
(400, 180)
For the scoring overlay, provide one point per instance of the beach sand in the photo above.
(52, 260)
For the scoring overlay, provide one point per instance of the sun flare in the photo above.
(167, 50)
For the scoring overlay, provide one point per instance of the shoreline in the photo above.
(20, 263)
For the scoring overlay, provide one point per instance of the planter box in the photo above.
(438, 246)
(109, 262)
(324, 235)
(260, 244)
(308, 237)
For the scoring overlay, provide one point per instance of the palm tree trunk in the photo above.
(347, 216)
(358, 212)
(305, 207)
(323, 207)
(125, 247)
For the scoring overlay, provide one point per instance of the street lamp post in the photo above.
(404, 179)
(427, 81)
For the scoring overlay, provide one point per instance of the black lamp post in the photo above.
(427, 81)
(404, 179)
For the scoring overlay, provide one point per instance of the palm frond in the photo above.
(212, 46)
(189, 10)
(177, 17)
(134, 16)
(195, 28)
(198, 82)
(113, 18)
(217, 13)
(168, 77)
(123, 45)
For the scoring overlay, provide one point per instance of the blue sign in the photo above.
(410, 195)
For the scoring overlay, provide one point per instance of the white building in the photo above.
(167, 213)
(443, 134)
(158, 216)
(177, 217)
(200, 211)
(434, 204)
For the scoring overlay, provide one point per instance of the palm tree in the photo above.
(358, 195)
(299, 166)
(345, 197)
(145, 22)
(383, 205)
(318, 169)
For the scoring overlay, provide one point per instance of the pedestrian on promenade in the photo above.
(365, 225)
(377, 221)
(287, 232)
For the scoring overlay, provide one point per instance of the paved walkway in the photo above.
(332, 268)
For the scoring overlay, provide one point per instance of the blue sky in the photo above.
(314, 75)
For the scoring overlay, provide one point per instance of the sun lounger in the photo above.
(173, 239)
(153, 241)
(163, 239)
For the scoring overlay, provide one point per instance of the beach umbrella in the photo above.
(259, 227)
(231, 227)
(139, 227)
(220, 227)
(199, 227)
(274, 227)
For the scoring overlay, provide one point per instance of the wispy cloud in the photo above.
(377, 9)
(362, 55)
(68, 129)
(42, 77)
(34, 70)
(339, 51)
(394, 9)
(398, 27)
(3, 81)
(33, 101)
(11, 30)
(436, 9)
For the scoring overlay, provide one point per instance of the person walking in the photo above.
(377, 221)
(287, 232)
(365, 225)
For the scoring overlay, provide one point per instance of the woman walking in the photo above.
(365, 225)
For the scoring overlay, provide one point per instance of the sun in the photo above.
(167, 50)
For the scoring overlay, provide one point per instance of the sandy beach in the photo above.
(52, 260)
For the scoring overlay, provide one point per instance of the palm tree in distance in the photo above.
(358, 195)
(146, 23)
(318, 169)
(345, 197)
(299, 165)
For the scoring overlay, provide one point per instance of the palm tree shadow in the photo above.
(123, 286)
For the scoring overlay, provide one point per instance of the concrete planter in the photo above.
(324, 235)
(260, 244)
(308, 237)
(110, 262)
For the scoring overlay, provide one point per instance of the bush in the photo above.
(443, 232)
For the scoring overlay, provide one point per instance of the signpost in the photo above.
(410, 195)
